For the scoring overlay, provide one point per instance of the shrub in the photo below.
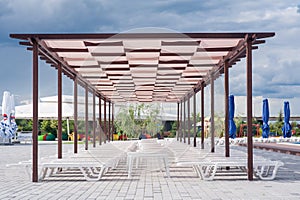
(64, 136)
(40, 137)
(50, 137)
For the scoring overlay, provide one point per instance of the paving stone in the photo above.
(145, 184)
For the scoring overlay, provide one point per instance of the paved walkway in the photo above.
(278, 147)
(145, 184)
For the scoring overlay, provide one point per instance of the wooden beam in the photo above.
(106, 43)
(75, 50)
(180, 43)
(63, 36)
(214, 49)
(173, 62)
(104, 54)
(127, 50)
(162, 54)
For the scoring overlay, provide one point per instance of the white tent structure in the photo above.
(48, 109)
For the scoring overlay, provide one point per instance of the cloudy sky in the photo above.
(276, 64)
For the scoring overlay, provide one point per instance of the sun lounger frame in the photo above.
(90, 171)
(136, 156)
(263, 169)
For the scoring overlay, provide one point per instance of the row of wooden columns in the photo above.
(108, 131)
(105, 127)
(183, 126)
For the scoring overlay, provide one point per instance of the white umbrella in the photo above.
(12, 105)
(6, 130)
(13, 124)
(6, 108)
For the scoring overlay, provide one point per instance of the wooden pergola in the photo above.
(143, 67)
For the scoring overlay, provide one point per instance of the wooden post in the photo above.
(104, 125)
(226, 122)
(180, 138)
(75, 136)
(35, 111)
(189, 120)
(184, 122)
(100, 122)
(94, 119)
(249, 107)
(212, 112)
(59, 111)
(86, 117)
(202, 115)
(178, 123)
(195, 120)
(109, 125)
(112, 121)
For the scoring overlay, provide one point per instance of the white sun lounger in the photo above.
(92, 167)
(206, 169)
(160, 157)
(92, 171)
(92, 163)
(148, 149)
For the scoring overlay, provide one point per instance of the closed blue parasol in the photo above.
(286, 129)
(265, 118)
(232, 127)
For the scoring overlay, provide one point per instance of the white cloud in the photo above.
(275, 64)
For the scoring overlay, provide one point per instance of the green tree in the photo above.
(49, 126)
(46, 126)
(173, 129)
(24, 124)
(280, 116)
(238, 122)
(137, 118)
(219, 125)
(125, 121)
(198, 118)
(276, 127)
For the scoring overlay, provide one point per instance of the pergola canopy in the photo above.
(142, 67)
